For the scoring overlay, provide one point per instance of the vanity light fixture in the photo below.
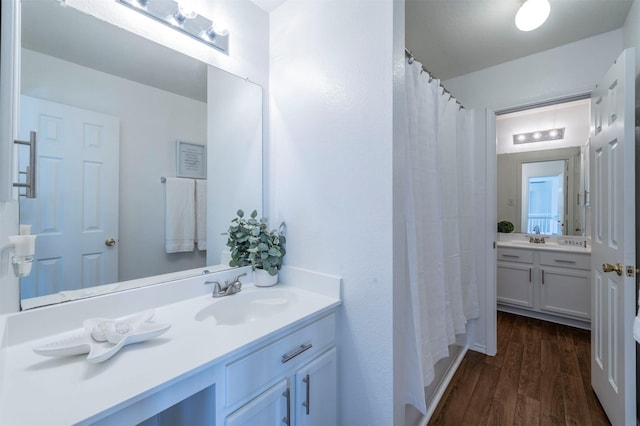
(539, 136)
(532, 14)
(179, 16)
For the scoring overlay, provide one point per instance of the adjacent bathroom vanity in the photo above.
(264, 353)
(546, 281)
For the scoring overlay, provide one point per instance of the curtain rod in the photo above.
(412, 58)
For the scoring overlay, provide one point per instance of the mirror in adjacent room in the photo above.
(109, 108)
(542, 169)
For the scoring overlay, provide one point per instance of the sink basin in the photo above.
(247, 306)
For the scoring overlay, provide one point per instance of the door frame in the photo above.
(492, 208)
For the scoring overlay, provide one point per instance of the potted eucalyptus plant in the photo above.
(252, 243)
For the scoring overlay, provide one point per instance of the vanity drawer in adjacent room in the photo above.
(565, 260)
(261, 367)
(509, 254)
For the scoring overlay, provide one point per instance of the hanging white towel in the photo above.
(201, 214)
(180, 215)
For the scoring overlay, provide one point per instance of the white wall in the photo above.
(331, 177)
(566, 70)
(151, 120)
(248, 57)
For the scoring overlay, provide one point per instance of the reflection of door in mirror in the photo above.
(543, 194)
(77, 200)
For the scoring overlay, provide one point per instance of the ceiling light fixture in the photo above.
(532, 14)
(181, 16)
(539, 136)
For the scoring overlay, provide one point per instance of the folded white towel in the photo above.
(201, 214)
(180, 215)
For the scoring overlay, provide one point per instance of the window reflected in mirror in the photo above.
(543, 197)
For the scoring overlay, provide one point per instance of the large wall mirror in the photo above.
(543, 186)
(109, 108)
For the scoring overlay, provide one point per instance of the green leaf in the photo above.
(240, 213)
(254, 214)
(274, 252)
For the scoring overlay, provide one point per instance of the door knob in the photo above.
(607, 267)
(110, 242)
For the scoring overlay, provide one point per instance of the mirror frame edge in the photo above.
(9, 83)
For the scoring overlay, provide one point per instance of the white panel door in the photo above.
(612, 156)
(76, 208)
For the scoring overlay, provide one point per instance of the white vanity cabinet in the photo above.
(548, 284)
(515, 277)
(564, 284)
(290, 381)
(316, 390)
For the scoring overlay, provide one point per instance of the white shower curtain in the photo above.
(438, 208)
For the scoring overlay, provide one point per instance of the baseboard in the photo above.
(585, 325)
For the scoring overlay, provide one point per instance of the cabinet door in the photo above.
(316, 389)
(515, 284)
(267, 409)
(566, 292)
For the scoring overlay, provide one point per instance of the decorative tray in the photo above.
(102, 338)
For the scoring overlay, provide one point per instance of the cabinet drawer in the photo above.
(515, 255)
(565, 260)
(248, 374)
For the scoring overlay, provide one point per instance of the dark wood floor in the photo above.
(540, 376)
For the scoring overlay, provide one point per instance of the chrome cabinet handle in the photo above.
(511, 255)
(289, 356)
(565, 261)
(307, 401)
(529, 274)
(287, 394)
(543, 276)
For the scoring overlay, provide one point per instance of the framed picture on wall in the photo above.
(191, 160)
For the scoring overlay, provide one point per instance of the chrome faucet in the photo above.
(536, 229)
(226, 289)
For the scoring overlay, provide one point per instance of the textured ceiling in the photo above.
(456, 37)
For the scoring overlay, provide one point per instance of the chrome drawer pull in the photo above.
(565, 261)
(511, 255)
(296, 352)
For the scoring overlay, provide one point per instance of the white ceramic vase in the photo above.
(261, 278)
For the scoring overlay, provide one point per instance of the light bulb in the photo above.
(532, 14)
(186, 10)
(215, 31)
(537, 135)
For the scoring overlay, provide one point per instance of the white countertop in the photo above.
(38, 390)
(546, 246)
